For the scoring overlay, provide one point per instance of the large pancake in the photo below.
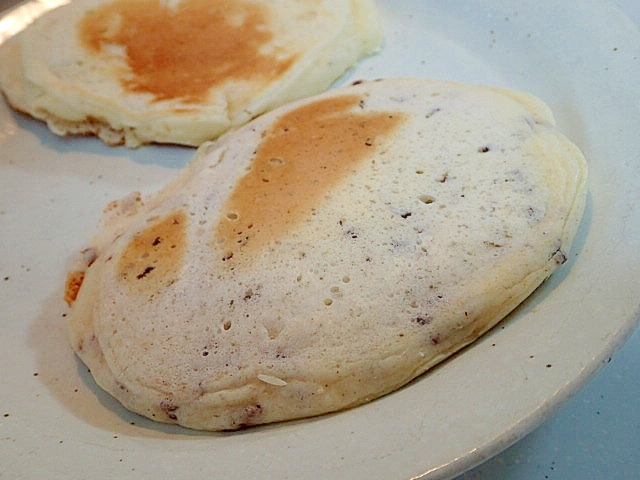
(179, 71)
(326, 253)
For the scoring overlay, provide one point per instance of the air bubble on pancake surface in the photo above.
(443, 178)
(273, 326)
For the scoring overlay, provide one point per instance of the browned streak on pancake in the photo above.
(154, 256)
(72, 286)
(300, 158)
(182, 53)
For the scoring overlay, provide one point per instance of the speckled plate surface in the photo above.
(582, 58)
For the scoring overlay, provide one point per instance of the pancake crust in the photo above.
(179, 71)
(326, 253)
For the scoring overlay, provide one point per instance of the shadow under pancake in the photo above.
(71, 384)
(164, 155)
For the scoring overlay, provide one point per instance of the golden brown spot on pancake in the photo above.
(182, 52)
(306, 153)
(72, 286)
(154, 256)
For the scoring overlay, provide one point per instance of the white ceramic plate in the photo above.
(580, 57)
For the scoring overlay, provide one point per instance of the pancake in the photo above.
(182, 71)
(326, 253)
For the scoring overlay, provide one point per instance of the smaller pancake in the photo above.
(179, 71)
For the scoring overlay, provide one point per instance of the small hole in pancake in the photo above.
(232, 216)
(274, 328)
(276, 161)
(426, 199)
(227, 325)
(346, 279)
(328, 301)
